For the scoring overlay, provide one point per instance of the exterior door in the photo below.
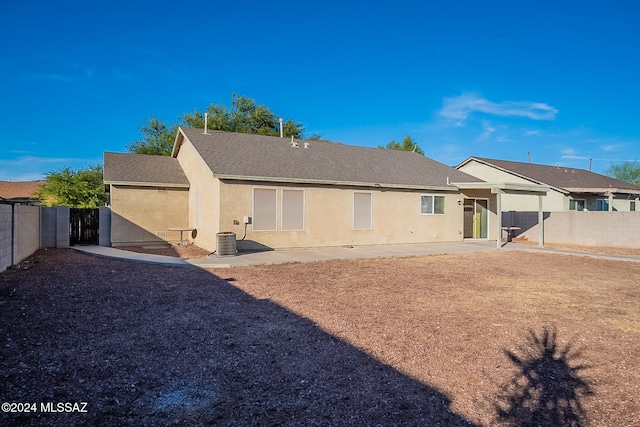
(83, 227)
(476, 218)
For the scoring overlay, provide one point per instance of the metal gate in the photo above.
(83, 226)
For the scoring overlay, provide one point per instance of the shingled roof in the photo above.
(143, 169)
(19, 190)
(266, 158)
(563, 178)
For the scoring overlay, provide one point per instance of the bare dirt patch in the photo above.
(483, 339)
(188, 251)
(604, 250)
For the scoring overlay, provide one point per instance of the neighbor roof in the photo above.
(564, 178)
(19, 190)
(143, 169)
(268, 158)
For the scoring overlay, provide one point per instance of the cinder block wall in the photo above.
(619, 229)
(19, 233)
(62, 226)
(5, 237)
(105, 226)
(48, 227)
(27, 231)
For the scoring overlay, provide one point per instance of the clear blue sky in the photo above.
(558, 79)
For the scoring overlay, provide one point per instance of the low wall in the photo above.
(19, 233)
(5, 236)
(25, 229)
(617, 228)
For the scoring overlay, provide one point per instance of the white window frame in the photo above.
(253, 208)
(282, 210)
(353, 210)
(584, 204)
(433, 204)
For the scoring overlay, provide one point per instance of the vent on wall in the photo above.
(161, 234)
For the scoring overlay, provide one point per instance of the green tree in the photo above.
(157, 139)
(627, 171)
(244, 116)
(83, 188)
(407, 145)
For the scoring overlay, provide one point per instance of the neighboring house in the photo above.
(20, 191)
(569, 188)
(281, 193)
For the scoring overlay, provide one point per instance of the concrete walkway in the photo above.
(333, 253)
(298, 255)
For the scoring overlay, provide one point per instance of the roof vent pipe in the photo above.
(206, 117)
(281, 130)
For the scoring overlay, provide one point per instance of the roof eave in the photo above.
(603, 190)
(528, 178)
(496, 187)
(177, 143)
(336, 183)
(147, 184)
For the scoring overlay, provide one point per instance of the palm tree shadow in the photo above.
(548, 388)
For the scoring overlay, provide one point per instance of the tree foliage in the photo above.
(83, 188)
(244, 116)
(627, 171)
(407, 144)
(157, 139)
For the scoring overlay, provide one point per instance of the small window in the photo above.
(632, 205)
(265, 211)
(602, 205)
(576, 205)
(432, 205)
(292, 210)
(362, 211)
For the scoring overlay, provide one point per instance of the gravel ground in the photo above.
(492, 338)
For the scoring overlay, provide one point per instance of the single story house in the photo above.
(283, 193)
(22, 192)
(570, 189)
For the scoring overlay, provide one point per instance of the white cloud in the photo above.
(487, 130)
(460, 107)
(612, 147)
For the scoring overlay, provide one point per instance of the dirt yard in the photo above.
(499, 338)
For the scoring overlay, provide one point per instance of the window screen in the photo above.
(432, 205)
(292, 210)
(362, 211)
(264, 209)
(576, 205)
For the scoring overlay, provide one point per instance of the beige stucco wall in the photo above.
(204, 197)
(328, 218)
(142, 214)
(553, 201)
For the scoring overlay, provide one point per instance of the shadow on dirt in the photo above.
(156, 345)
(548, 388)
